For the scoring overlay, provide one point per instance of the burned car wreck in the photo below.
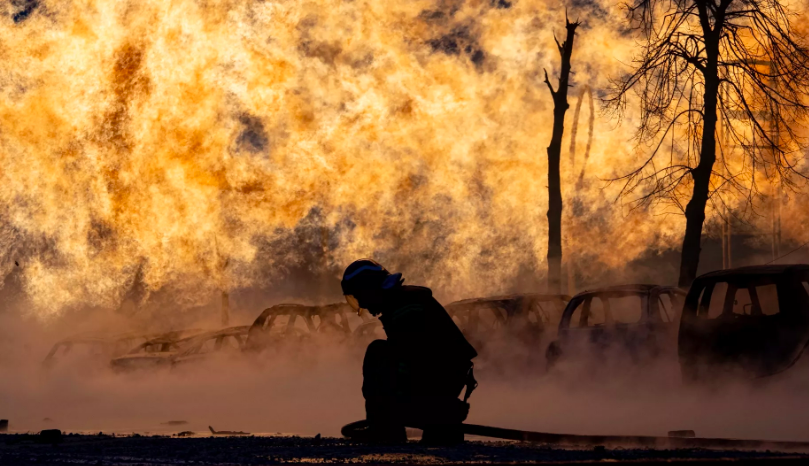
(509, 332)
(748, 322)
(284, 324)
(91, 345)
(101, 346)
(637, 321)
(527, 318)
(168, 352)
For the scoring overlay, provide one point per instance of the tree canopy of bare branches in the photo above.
(741, 61)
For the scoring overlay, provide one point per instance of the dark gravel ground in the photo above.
(23, 449)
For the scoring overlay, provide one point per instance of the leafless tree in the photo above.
(560, 106)
(586, 91)
(702, 60)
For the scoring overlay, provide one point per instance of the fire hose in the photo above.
(624, 441)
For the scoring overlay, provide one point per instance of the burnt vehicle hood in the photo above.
(137, 361)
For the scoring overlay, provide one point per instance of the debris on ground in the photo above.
(111, 451)
(226, 432)
(50, 436)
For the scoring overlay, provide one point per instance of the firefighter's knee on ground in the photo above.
(442, 422)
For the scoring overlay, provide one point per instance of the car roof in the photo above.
(173, 336)
(771, 269)
(192, 342)
(280, 309)
(631, 288)
(238, 330)
(301, 310)
(538, 297)
(333, 307)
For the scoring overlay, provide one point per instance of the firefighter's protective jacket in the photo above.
(433, 357)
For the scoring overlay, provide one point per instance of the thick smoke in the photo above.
(195, 147)
(313, 389)
(187, 148)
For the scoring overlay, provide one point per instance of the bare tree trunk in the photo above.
(574, 131)
(560, 106)
(695, 210)
(590, 124)
(225, 308)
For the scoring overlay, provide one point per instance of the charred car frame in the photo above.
(747, 322)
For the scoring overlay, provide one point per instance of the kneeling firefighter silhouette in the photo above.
(414, 378)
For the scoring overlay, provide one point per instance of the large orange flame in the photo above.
(177, 139)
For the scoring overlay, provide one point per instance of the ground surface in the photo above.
(139, 450)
